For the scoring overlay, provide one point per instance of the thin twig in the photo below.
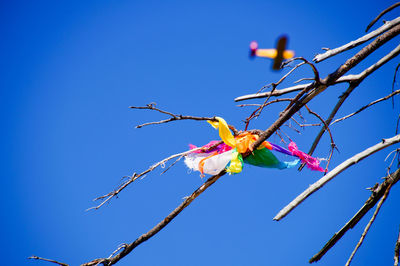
(366, 106)
(378, 207)
(302, 79)
(128, 248)
(106, 198)
(49, 260)
(177, 160)
(381, 14)
(305, 61)
(337, 170)
(377, 193)
(174, 117)
(333, 145)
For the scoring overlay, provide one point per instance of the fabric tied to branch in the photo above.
(214, 158)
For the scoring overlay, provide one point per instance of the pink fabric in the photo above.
(311, 162)
(220, 148)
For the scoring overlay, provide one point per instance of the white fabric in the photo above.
(213, 165)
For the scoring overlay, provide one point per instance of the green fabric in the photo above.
(265, 158)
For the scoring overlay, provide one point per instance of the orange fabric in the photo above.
(267, 145)
(246, 139)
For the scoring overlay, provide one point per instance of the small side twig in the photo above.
(276, 93)
(305, 61)
(48, 260)
(174, 117)
(333, 145)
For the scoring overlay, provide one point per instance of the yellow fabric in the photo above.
(224, 131)
(235, 165)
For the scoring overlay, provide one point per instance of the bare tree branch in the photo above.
(328, 81)
(377, 193)
(174, 117)
(106, 198)
(305, 61)
(337, 170)
(360, 77)
(49, 260)
(378, 207)
(128, 248)
(396, 251)
(381, 14)
(394, 81)
(275, 93)
(387, 26)
(354, 81)
(333, 145)
(366, 106)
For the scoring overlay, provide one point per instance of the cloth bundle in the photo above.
(215, 156)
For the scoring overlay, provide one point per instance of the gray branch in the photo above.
(337, 170)
(387, 26)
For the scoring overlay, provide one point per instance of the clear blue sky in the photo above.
(69, 71)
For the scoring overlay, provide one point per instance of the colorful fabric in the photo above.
(311, 162)
(265, 158)
(224, 131)
(228, 155)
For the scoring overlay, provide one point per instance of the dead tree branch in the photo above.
(275, 93)
(387, 26)
(354, 81)
(106, 198)
(337, 170)
(381, 14)
(174, 117)
(48, 260)
(368, 226)
(129, 247)
(366, 106)
(377, 194)
(396, 251)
